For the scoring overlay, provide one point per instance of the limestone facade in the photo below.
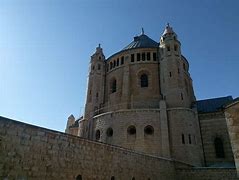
(142, 98)
(31, 152)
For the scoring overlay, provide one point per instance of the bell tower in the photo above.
(176, 84)
(96, 80)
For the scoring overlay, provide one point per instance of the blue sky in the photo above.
(45, 47)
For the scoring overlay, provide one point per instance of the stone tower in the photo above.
(176, 84)
(96, 78)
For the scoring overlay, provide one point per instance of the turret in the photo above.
(96, 78)
(70, 122)
(176, 84)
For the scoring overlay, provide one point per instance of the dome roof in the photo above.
(141, 41)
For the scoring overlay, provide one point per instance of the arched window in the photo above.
(149, 130)
(112, 178)
(219, 149)
(113, 86)
(133, 178)
(97, 134)
(131, 130)
(168, 48)
(144, 80)
(189, 139)
(79, 177)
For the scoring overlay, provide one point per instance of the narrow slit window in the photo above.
(154, 56)
(183, 139)
(117, 62)
(189, 139)
(143, 56)
(148, 56)
(138, 56)
(132, 57)
(122, 60)
(97, 134)
(113, 86)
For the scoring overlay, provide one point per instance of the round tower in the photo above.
(95, 90)
(176, 84)
(177, 91)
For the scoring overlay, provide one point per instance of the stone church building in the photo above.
(141, 122)
(142, 98)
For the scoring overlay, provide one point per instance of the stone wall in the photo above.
(185, 138)
(213, 125)
(207, 173)
(121, 121)
(31, 152)
(232, 117)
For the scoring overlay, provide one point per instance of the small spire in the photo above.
(98, 48)
(168, 30)
(142, 31)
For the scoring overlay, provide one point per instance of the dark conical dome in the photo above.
(142, 41)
